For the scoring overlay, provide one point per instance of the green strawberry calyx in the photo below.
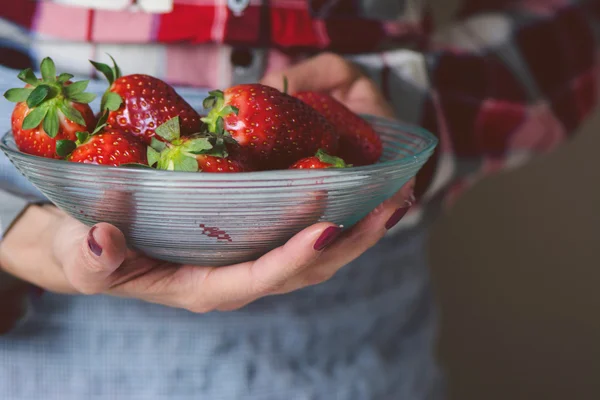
(50, 97)
(215, 102)
(177, 153)
(334, 161)
(110, 101)
(65, 147)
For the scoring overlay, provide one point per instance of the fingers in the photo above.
(90, 256)
(364, 97)
(362, 236)
(204, 289)
(325, 72)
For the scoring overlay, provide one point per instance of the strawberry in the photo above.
(138, 104)
(320, 160)
(49, 109)
(276, 129)
(206, 153)
(109, 147)
(359, 143)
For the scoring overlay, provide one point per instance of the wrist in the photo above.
(25, 238)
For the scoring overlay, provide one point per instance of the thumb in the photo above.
(90, 256)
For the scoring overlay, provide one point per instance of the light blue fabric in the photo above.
(367, 334)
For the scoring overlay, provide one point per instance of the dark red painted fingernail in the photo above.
(93, 245)
(396, 217)
(327, 237)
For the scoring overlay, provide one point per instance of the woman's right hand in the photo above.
(56, 252)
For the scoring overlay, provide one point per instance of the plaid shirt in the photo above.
(508, 80)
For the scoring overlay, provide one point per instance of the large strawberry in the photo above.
(138, 104)
(205, 153)
(49, 109)
(109, 147)
(276, 129)
(321, 160)
(359, 143)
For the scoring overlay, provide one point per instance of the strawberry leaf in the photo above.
(98, 128)
(157, 144)
(285, 84)
(116, 70)
(335, 162)
(38, 95)
(219, 126)
(51, 122)
(48, 70)
(76, 88)
(153, 156)
(29, 77)
(229, 110)
(82, 137)
(197, 146)
(62, 78)
(34, 118)
(65, 147)
(71, 113)
(209, 102)
(17, 95)
(217, 94)
(102, 120)
(185, 163)
(105, 70)
(169, 130)
(83, 98)
(111, 101)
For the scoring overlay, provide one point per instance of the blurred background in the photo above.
(517, 267)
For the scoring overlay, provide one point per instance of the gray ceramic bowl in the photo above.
(220, 219)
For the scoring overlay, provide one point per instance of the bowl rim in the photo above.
(398, 164)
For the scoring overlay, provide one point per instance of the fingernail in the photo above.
(396, 217)
(327, 237)
(93, 245)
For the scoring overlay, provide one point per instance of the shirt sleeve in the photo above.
(500, 85)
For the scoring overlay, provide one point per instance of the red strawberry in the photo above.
(320, 160)
(276, 129)
(137, 104)
(49, 109)
(109, 147)
(219, 164)
(206, 153)
(359, 143)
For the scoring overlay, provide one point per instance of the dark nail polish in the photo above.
(327, 237)
(396, 217)
(93, 245)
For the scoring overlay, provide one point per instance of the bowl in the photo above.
(216, 219)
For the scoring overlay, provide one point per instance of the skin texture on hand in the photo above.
(57, 253)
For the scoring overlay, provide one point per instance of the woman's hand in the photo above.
(56, 252)
(334, 75)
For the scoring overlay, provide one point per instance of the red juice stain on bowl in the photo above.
(215, 232)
